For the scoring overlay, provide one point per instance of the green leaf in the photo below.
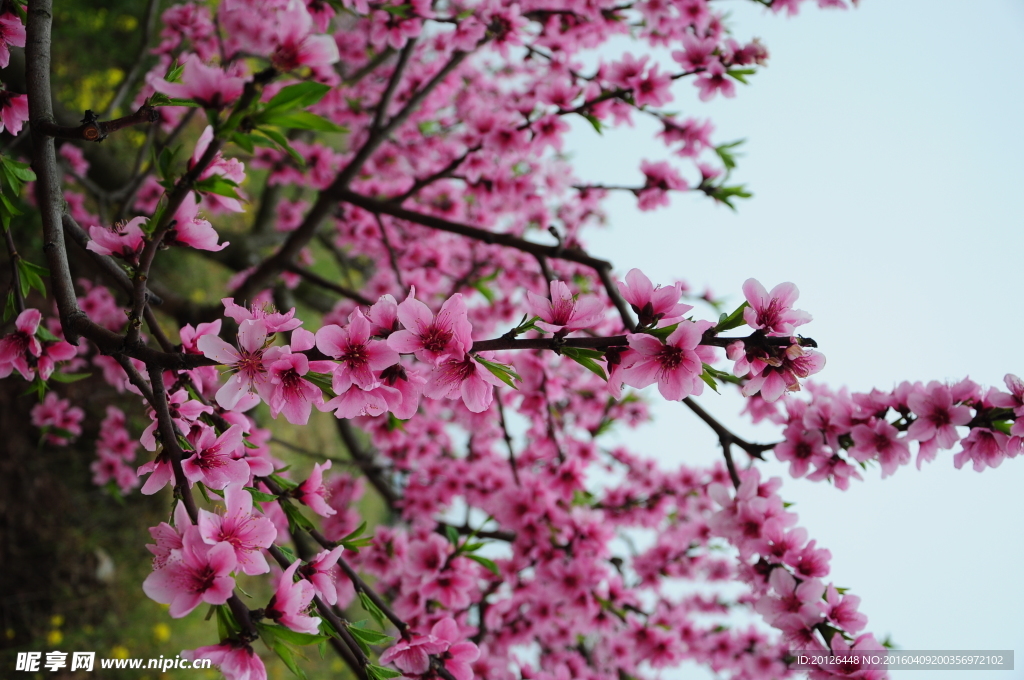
(30, 277)
(173, 74)
(382, 673)
(69, 377)
(359, 530)
(295, 516)
(725, 152)
(400, 11)
(46, 336)
(734, 320)
(585, 358)
(370, 637)
(298, 120)
(282, 142)
(218, 185)
(452, 533)
(662, 333)
(299, 95)
(370, 608)
(159, 99)
(592, 119)
(285, 484)
(258, 495)
(22, 171)
(9, 307)
(741, 74)
(293, 637)
(488, 564)
(323, 381)
(724, 194)
(244, 141)
(504, 373)
(706, 377)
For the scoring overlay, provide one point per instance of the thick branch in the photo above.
(94, 130)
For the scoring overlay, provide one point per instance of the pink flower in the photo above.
(236, 660)
(12, 34)
(713, 80)
(936, 415)
(984, 447)
(801, 448)
(230, 169)
(250, 361)
(696, 53)
(296, 46)
(56, 413)
(465, 378)
(197, 573)
(121, 240)
(244, 531)
(312, 492)
(13, 111)
(660, 178)
(290, 602)
(320, 572)
(676, 364)
(273, 321)
(191, 230)
(358, 355)
(168, 538)
(653, 304)
(17, 347)
(451, 587)
(213, 462)
(461, 653)
(208, 85)
(412, 656)
(433, 339)
(773, 312)
(882, 440)
(291, 393)
(564, 312)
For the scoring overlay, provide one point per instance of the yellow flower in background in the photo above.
(119, 652)
(161, 632)
(10, 633)
(57, 621)
(54, 637)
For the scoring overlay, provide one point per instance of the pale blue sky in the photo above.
(887, 160)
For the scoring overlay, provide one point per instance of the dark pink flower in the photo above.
(358, 355)
(714, 80)
(984, 447)
(433, 339)
(936, 415)
(214, 463)
(880, 440)
(465, 378)
(292, 394)
(676, 364)
(564, 312)
(653, 304)
(54, 412)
